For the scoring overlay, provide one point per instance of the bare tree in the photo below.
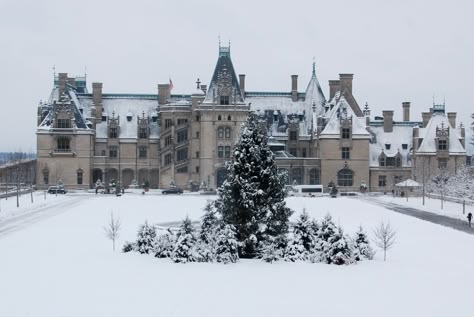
(384, 237)
(112, 229)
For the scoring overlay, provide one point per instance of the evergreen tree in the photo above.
(164, 245)
(303, 242)
(269, 250)
(326, 231)
(252, 197)
(338, 249)
(184, 248)
(209, 223)
(145, 238)
(361, 246)
(227, 245)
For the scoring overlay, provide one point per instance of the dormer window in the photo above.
(442, 145)
(143, 133)
(113, 133)
(129, 117)
(404, 146)
(388, 146)
(346, 133)
(293, 135)
(63, 123)
(224, 100)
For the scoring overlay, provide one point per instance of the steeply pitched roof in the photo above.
(333, 125)
(428, 146)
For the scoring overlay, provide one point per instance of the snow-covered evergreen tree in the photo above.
(252, 197)
(183, 251)
(326, 231)
(146, 238)
(303, 240)
(209, 224)
(269, 250)
(338, 249)
(361, 246)
(227, 250)
(164, 245)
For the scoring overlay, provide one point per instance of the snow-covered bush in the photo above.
(303, 240)
(226, 245)
(338, 249)
(184, 249)
(209, 224)
(361, 247)
(164, 245)
(146, 238)
(270, 251)
(128, 247)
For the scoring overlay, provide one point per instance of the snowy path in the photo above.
(446, 221)
(44, 212)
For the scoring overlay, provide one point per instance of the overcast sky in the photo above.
(398, 50)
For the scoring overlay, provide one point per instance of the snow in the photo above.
(400, 135)
(429, 136)
(64, 266)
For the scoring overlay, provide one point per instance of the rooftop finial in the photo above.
(314, 66)
(198, 82)
(219, 37)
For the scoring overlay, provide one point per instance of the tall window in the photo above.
(167, 159)
(293, 135)
(346, 133)
(345, 154)
(168, 123)
(63, 144)
(220, 132)
(168, 141)
(197, 154)
(79, 177)
(296, 176)
(220, 151)
(345, 177)
(113, 151)
(303, 153)
(442, 145)
(224, 100)
(382, 161)
(314, 177)
(182, 155)
(227, 133)
(182, 136)
(142, 152)
(143, 133)
(63, 123)
(113, 133)
(182, 121)
(227, 151)
(46, 176)
(382, 180)
(198, 134)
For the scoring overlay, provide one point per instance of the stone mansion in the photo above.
(157, 138)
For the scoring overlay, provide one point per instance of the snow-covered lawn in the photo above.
(450, 209)
(64, 266)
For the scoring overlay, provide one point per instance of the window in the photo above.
(296, 176)
(314, 177)
(182, 155)
(182, 121)
(345, 177)
(63, 123)
(220, 152)
(197, 154)
(346, 133)
(398, 161)
(182, 136)
(442, 163)
(219, 117)
(388, 146)
(103, 153)
(382, 161)
(112, 151)
(346, 154)
(142, 152)
(197, 169)
(183, 169)
(197, 117)
(229, 118)
(442, 145)
(390, 161)
(220, 132)
(46, 176)
(198, 134)
(293, 135)
(224, 100)
(113, 133)
(227, 152)
(227, 133)
(405, 146)
(382, 180)
(142, 133)
(167, 159)
(129, 117)
(79, 177)
(63, 144)
(168, 123)
(168, 141)
(303, 154)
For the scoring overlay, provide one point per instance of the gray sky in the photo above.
(398, 50)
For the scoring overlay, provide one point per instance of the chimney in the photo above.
(406, 111)
(62, 78)
(452, 119)
(97, 99)
(163, 93)
(242, 84)
(294, 88)
(71, 81)
(204, 89)
(334, 86)
(426, 116)
(387, 120)
(346, 81)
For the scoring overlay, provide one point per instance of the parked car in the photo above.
(172, 190)
(56, 190)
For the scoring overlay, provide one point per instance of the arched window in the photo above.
(229, 118)
(345, 177)
(314, 178)
(219, 117)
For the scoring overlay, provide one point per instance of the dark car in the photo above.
(172, 190)
(56, 190)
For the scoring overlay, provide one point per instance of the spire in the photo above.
(314, 67)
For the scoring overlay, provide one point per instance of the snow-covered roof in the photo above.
(333, 124)
(428, 146)
(408, 183)
(395, 140)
